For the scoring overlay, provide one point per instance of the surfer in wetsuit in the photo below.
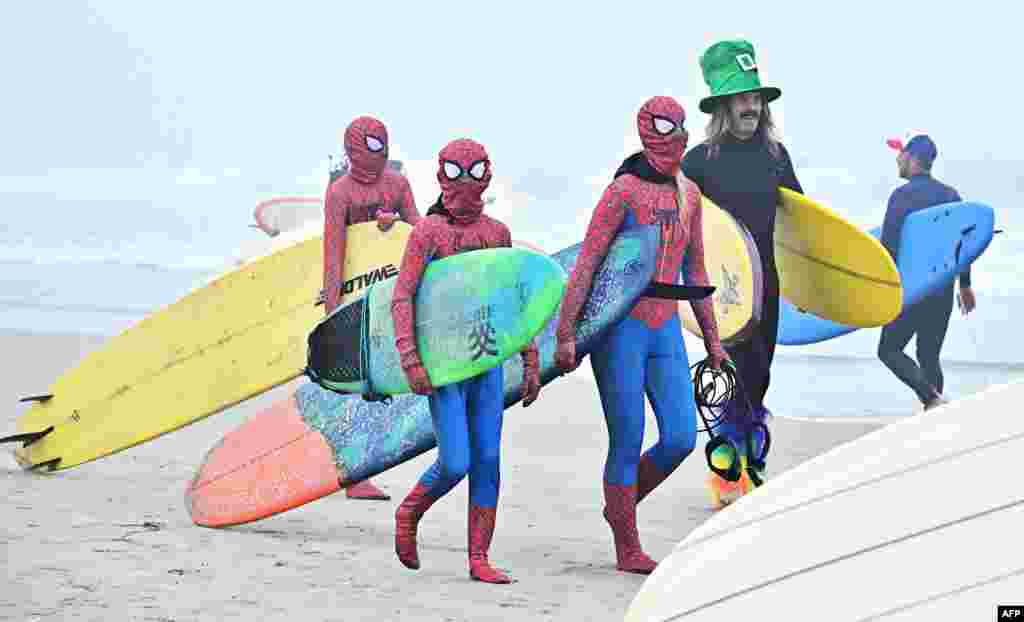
(368, 191)
(645, 352)
(929, 318)
(467, 415)
(740, 166)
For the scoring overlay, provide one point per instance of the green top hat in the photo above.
(730, 67)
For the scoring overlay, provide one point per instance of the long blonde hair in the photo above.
(718, 129)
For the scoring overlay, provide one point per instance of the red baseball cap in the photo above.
(894, 143)
(918, 144)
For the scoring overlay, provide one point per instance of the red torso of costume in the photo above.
(438, 238)
(350, 202)
(360, 202)
(434, 238)
(681, 232)
(652, 203)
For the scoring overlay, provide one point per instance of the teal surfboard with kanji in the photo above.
(472, 311)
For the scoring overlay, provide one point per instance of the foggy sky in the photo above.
(201, 110)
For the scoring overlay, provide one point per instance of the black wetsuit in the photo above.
(929, 318)
(743, 179)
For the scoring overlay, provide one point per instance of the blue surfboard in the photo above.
(936, 245)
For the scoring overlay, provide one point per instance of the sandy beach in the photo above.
(111, 540)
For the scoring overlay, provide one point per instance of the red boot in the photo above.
(620, 512)
(366, 490)
(407, 518)
(648, 477)
(481, 529)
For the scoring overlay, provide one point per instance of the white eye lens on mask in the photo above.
(478, 170)
(452, 170)
(664, 126)
(374, 144)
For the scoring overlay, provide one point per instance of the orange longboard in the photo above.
(278, 460)
(271, 463)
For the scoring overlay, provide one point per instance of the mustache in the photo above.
(750, 114)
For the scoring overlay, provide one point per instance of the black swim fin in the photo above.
(51, 464)
(26, 438)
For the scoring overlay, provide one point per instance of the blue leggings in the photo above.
(631, 360)
(467, 419)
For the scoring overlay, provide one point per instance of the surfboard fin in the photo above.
(50, 465)
(37, 398)
(26, 438)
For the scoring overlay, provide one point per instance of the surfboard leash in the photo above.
(712, 388)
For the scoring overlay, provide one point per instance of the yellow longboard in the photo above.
(830, 267)
(827, 266)
(734, 270)
(236, 337)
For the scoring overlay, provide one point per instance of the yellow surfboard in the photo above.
(734, 270)
(830, 267)
(236, 337)
(827, 266)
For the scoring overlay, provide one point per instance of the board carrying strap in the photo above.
(672, 291)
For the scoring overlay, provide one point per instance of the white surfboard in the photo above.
(920, 520)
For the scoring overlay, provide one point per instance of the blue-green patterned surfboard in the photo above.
(371, 437)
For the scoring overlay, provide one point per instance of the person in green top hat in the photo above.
(740, 166)
(730, 68)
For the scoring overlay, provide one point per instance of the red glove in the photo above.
(965, 300)
(717, 355)
(565, 355)
(385, 220)
(418, 380)
(531, 378)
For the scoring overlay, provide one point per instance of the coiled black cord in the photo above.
(712, 388)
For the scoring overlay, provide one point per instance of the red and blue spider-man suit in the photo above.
(645, 352)
(467, 415)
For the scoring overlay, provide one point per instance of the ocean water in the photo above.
(101, 277)
(97, 268)
(96, 298)
(822, 386)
